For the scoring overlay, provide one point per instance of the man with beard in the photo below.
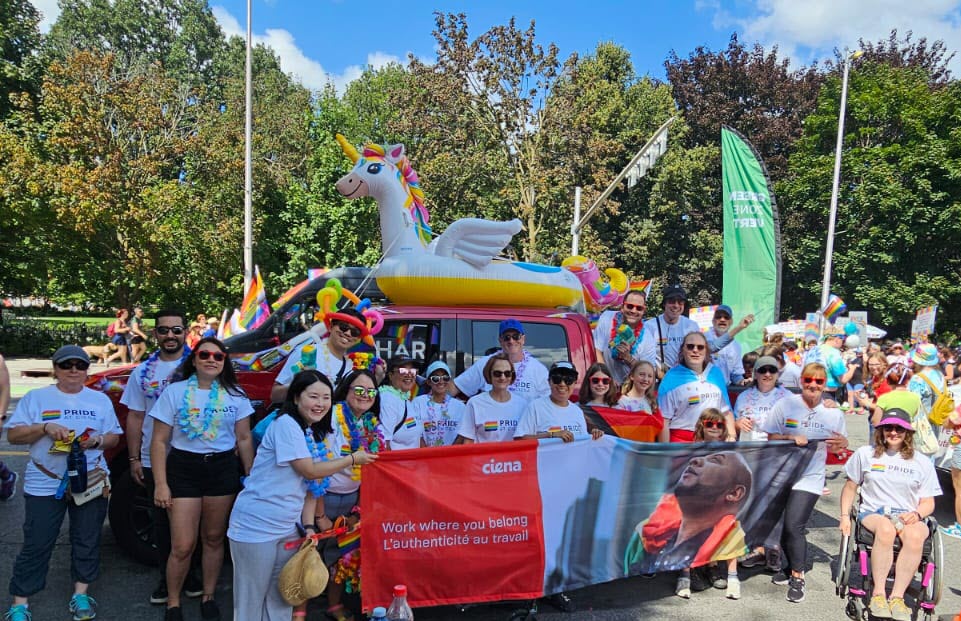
(143, 389)
(697, 524)
(620, 353)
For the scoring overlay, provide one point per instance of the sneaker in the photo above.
(8, 488)
(700, 579)
(733, 589)
(719, 578)
(795, 590)
(879, 607)
(193, 586)
(83, 607)
(159, 595)
(210, 610)
(772, 558)
(173, 614)
(561, 601)
(18, 613)
(683, 587)
(899, 610)
(952, 531)
(753, 559)
(780, 578)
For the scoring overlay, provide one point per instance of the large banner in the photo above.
(488, 522)
(752, 238)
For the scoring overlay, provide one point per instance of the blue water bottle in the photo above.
(77, 468)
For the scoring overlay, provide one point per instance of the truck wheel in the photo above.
(131, 519)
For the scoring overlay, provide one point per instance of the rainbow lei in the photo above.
(317, 487)
(638, 330)
(363, 360)
(152, 389)
(196, 422)
(361, 433)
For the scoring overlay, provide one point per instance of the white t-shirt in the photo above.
(892, 481)
(440, 420)
(728, 358)
(643, 348)
(327, 362)
(398, 414)
(635, 404)
(135, 398)
(339, 445)
(273, 495)
(530, 383)
(792, 416)
(790, 375)
(87, 409)
(486, 420)
(545, 415)
(671, 335)
(233, 408)
(757, 405)
(682, 406)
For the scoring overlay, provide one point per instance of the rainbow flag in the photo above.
(254, 310)
(349, 540)
(312, 274)
(694, 400)
(50, 415)
(636, 426)
(410, 423)
(791, 423)
(834, 308)
(490, 425)
(398, 332)
(878, 468)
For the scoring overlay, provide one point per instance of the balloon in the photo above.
(852, 342)
(850, 328)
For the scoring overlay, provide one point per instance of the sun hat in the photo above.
(898, 417)
(925, 355)
(70, 352)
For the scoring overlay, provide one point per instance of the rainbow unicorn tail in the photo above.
(599, 292)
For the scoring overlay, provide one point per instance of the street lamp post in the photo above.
(248, 157)
(832, 218)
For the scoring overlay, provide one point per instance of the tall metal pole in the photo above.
(832, 218)
(575, 232)
(248, 156)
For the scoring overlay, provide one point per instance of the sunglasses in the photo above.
(439, 379)
(563, 379)
(603, 381)
(722, 316)
(814, 380)
(80, 365)
(767, 371)
(207, 355)
(406, 372)
(694, 347)
(713, 424)
(165, 330)
(346, 328)
(360, 391)
(498, 373)
(639, 307)
(515, 336)
(894, 428)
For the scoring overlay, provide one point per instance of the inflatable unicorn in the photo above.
(598, 292)
(458, 268)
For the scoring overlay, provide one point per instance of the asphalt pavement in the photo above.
(124, 586)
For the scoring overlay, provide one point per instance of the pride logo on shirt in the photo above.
(877, 468)
(694, 400)
(50, 415)
(410, 423)
(791, 423)
(490, 425)
(555, 429)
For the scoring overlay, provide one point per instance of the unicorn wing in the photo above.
(475, 241)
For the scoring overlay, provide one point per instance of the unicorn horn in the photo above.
(348, 149)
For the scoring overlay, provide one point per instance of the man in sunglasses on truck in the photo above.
(530, 375)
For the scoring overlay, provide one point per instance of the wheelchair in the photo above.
(853, 581)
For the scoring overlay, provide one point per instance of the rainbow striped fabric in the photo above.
(834, 308)
(694, 399)
(50, 415)
(490, 425)
(878, 468)
(791, 423)
(409, 422)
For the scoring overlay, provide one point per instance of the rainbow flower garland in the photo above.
(638, 330)
(317, 487)
(202, 423)
(152, 389)
(361, 433)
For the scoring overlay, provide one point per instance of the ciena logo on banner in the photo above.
(501, 467)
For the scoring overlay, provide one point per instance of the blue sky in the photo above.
(321, 40)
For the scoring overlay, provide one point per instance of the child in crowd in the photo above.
(639, 393)
(748, 361)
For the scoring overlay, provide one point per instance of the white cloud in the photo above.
(49, 11)
(293, 60)
(813, 28)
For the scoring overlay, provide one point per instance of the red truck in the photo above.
(457, 335)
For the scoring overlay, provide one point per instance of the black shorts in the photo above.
(195, 475)
(137, 340)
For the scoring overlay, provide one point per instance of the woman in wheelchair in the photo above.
(897, 494)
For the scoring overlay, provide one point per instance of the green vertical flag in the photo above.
(752, 237)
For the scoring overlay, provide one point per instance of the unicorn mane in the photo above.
(409, 180)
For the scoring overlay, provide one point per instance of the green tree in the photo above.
(19, 40)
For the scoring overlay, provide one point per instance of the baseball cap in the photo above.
(70, 352)
(897, 416)
(765, 361)
(723, 308)
(563, 367)
(510, 324)
(401, 361)
(673, 291)
(437, 365)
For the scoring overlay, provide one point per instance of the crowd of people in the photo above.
(190, 442)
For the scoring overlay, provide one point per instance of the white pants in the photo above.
(256, 569)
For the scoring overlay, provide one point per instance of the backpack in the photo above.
(943, 403)
(112, 329)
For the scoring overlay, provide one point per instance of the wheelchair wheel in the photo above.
(933, 592)
(843, 571)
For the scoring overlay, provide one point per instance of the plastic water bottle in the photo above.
(399, 609)
(77, 468)
(378, 614)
